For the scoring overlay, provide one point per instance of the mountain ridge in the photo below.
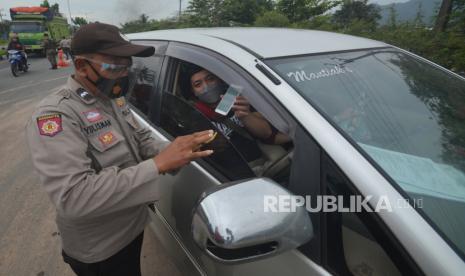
(407, 11)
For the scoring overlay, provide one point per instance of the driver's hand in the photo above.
(182, 151)
(241, 107)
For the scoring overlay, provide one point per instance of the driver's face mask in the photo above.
(212, 93)
(119, 86)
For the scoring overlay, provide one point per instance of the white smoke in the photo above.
(154, 9)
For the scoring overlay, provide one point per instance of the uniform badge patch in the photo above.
(93, 115)
(84, 94)
(49, 125)
(120, 102)
(107, 138)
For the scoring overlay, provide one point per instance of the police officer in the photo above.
(50, 50)
(98, 165)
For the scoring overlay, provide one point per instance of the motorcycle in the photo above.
(18, 62)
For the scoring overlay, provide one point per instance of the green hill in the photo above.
(408, 11)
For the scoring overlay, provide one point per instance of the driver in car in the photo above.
(242, 125)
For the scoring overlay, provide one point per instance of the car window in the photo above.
(179, 118)
(26, 27)
(238, 153)
(404, 113)
(147, 73)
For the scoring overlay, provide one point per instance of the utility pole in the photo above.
(179, 17)
(69, 12)
(1, 15)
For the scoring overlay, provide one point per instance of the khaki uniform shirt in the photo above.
(90, 154)
(48, 44)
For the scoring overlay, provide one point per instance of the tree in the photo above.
(143, 18)
(141, 24)
(205, 13)
(245, 12)
(322, 22)
(301, 10)
(80, 21)
(443, 16)
(419, 16)
(272, 19)
(4, 30)
(457, 18)
(392, 21)
(55, 8)
(45, 4)
(357, 10)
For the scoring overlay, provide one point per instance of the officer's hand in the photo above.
(183, 150)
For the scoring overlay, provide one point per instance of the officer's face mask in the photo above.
(115, 87)
(212, 93)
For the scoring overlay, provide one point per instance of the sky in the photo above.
(117, 11)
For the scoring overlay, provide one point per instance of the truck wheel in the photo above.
(14, 69)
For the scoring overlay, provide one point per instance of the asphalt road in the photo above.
(29, 239)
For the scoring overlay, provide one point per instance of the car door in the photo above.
(169, 115)
(145, 106)
(345, 242)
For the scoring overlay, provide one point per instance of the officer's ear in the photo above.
(81, 66)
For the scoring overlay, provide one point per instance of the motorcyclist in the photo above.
(15, 44)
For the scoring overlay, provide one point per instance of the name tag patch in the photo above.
(49, 125)
(93, 115)
(97, 126)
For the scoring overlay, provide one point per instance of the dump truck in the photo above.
(31, 23)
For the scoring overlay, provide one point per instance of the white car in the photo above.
(364, 119)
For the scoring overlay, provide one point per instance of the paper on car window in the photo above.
(420, 175)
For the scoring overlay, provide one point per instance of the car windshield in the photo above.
(406, 114)
(28, 27)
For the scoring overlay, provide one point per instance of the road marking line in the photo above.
(32, 84)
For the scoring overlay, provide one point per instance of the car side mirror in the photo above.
(231, 225)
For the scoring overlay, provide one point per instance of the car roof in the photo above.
(267, 42)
